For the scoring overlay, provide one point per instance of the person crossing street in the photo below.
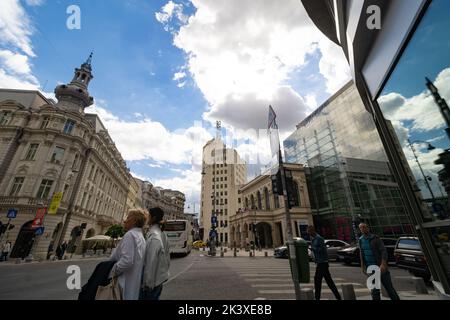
(322, 267)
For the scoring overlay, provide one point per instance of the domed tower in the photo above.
(75, 96)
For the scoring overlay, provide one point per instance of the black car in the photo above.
(351, 254)
(409, 256)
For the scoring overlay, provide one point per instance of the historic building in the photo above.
(261, 214)
(170, 201)
(133, 198)
(47, 148)
(223, 173)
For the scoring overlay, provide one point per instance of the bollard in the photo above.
(234, 253)
(420, 285)
(225, 250)
(221, 254)
(348, 292)
(250, 254)
(307, 294)
(266, 254)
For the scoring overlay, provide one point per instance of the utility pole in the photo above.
(421, 170)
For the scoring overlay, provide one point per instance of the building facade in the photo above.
(223, 173)
(261, 216)
(48, 147)
(391, 47)
(133, 197)
(347, 170)
(170, 201)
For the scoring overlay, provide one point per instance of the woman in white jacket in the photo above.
(157, 258)
(129, 255)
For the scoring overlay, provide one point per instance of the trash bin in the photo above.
(298, 255)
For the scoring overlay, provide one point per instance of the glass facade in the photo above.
(417, 114)
(348, 175)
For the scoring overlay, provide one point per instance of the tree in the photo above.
(115, 231)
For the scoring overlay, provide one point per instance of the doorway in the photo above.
(24, 242)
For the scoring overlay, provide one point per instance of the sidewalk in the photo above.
(11, 262)
(407, 295)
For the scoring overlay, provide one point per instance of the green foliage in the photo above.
(115, 231)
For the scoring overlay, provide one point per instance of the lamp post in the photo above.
(443, 107)
(430, 147)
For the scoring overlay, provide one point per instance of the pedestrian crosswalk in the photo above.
(272, 279)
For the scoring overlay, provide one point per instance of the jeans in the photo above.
(148, 294)
(4, 256)
(322, 271)
(387, 284)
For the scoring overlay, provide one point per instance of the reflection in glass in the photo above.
(414, 105)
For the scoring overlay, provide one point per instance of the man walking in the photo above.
(322, 268)
(373, 253)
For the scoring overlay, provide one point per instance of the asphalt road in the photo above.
(195, 277)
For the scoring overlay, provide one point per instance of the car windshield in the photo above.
(412, 244)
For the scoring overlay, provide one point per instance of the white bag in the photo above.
(110, 292)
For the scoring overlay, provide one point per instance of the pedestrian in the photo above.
(58, 252)
(49, 250)
(63, 249)
(373, 253)
(322, 267)
(129, 255)
(157, 258)
(5, 251)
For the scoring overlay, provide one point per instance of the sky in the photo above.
(166, 71)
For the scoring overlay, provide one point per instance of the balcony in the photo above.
(104, 220)
(22, 201)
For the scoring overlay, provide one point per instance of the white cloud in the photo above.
(421, 109)
(15, 26)
(15, 62)
(179, 76)
(34, 3)
(241, 53)
(146, 139)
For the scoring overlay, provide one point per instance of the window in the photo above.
(31, 152)
(44, 189)
(75, 161)
(17, 185)
(4, 118)
(45, 122)
(68, 127)
(57, 155)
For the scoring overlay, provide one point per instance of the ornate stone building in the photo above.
(48, 147)
(260, 207)
(170, 201)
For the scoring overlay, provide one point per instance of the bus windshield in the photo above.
(175, 226)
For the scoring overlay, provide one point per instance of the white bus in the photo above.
(179, 234)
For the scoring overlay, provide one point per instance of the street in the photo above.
(195, 277)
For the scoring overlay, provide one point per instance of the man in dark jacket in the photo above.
(322, 268)
(372, 252)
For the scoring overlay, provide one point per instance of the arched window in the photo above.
(266, 198)
(246, 202)
(258, 196)
(252, 200)
(276, 201)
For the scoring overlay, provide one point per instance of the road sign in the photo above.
(39, 219)
(39, 231)
(56, 201)
(213, 234)
(12, 213)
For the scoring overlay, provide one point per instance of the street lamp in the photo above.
(425, 178)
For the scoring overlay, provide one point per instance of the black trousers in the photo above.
(322, 271)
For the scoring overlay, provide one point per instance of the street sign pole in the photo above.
(276, 149)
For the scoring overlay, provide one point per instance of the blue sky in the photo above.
(165, 71)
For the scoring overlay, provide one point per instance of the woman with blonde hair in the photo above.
(129, 255)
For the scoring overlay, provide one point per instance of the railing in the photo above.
(25, 201)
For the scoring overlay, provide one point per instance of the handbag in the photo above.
(112, 291)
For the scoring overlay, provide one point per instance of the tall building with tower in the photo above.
(223, 173)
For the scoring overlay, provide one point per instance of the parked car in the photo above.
(198, 244)
(282, 251)
(409, 256)
(350, 254)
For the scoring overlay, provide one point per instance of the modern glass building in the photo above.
(398, 54)
(348, 175)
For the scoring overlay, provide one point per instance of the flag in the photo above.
(273, 136)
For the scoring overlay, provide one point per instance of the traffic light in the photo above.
(277, 185)
(292, 190)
